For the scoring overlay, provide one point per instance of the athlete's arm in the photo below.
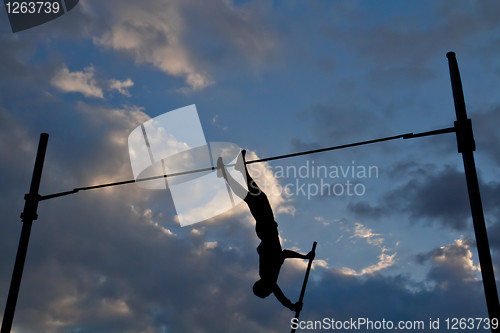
(285, 301)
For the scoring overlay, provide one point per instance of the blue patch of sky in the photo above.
(379, 14)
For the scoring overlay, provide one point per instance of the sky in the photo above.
(392, 220)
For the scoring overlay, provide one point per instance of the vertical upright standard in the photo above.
(28, 215)
(466, 146)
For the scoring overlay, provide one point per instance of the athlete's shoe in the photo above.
(240, 162)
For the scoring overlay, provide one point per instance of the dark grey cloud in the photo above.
(187, 39)
(493, 230)
(441, 196)
(365, 209)
(429, 195)
(485, 132)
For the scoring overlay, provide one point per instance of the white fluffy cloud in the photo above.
(85, 82)
(82, 82)
(121, 86)
(385, 258)
(453, 264)
(166, 35)
(152, 33)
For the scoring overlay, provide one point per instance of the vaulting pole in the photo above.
(28, 216)
(466, 146)
(303, 291)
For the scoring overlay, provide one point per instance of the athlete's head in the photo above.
(262, 289)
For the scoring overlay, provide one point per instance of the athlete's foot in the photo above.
(221, 168)
(240, 162)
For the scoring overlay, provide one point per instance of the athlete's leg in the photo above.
(255, 198)
(241, 166)
(292, 254)
(239, 190)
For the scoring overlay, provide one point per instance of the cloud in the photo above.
(81, 81)
(437, 197)
(358, 240)
(151, 33)
(168, 36)
(384, 262)
(366, 209)
(485, 134)
(455, 289)
(360, 231)
(494, 235)
(385, 259)
(86, 83)
(118, 122)
(441, 196)
(428, 195)
(388, 298)
(13, 63)
(121, 86)
(216, 123)
(451, 264)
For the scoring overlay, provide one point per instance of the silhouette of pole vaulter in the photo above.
(271, 256)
